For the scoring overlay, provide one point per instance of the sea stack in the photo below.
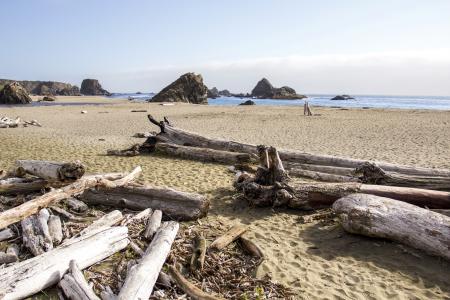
(14, 93)
(188, 88)
(213, 93)
(265, 90)
(91, 87)
(343, 97)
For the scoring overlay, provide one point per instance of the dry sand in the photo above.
(319, 261)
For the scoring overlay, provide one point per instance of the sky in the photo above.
(390, 47)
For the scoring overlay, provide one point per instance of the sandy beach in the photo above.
(317, 260)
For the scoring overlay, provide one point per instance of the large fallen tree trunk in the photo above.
(142, 277)
(401, 222)
(171, 134)
(28, 277)
(52, 170)
(175, 204)
(26, 209)
(203, 154)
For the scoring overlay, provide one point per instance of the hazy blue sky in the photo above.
(351, 46)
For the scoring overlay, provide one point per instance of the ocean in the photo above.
(361, 101)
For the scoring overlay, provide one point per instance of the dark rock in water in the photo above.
(265, 90)
(248, 102)
(14, 93)
(49, 98)
(343, 97)
(188, 88)
(138, 93)
(225, 93)
(213, 93)
(91, 87)
(43, 88)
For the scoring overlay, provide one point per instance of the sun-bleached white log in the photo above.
(74, 284)
(55, 229)
(106, 221)
(394, 220)
(52, 170)
(142, 277)
(153, 224)
(28, 277)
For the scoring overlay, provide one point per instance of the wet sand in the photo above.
(318, 260)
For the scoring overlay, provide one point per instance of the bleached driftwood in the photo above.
(398, 221)
(26, 209)
(11, 255)
(226, 239)
(190, 289)
(28, 277)
(6, 234)
(153, 224)
(35, 234)
(52, 170)
(175, 204)
(6, 122)
(142, 277)
(55, 229)
(74, 284)
(77, 205)
(106, 221)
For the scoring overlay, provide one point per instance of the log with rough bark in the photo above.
(28, 277)
(398, 221)
(153, 224)
(198, 253)
(26, 209)
(224, 240)
(190, 289)
(174, 135)
(52, 170)
(74, 284)
(204, 154)
(142, 277)
(174, 204)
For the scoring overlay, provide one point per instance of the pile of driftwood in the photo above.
(371, 198)
(50, 232)
(6, 122)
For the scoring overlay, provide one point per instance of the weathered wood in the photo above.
(175, 204)
(32, 238)
(142, 277)
(108, 294)
(42, 219)
(250, 246)
(153, 224)
(292, 166)
(190, 289)
(51, 170)
(74, 284)
(55, 229)
(398, 221)
(28, 277)
(104, 222)
(203, 154)
(227, 238)
(77, 205)
(26, 209)
(22, 185)
(198, 253)
(6, 234)
(174, 135)
(11, 255)
(319, 176)
(141, 216)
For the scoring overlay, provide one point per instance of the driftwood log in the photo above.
(154, 222)
(401, 222)
(26, 209)
(231, 235)
(28, 277)
(142, 277)
(50, 170)
(6, 234)
(174, 204)
(74, 284)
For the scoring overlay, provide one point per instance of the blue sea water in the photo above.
(361, 101)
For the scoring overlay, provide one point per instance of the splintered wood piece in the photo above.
(153, 224)
(28, 277)
(74, 284)
(142, 277)
(226, 239)
(190, 289)
(398, 221)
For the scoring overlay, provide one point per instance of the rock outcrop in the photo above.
(343, 97)
(188, 88)
(213, 93)
(248, 102)
(14, 93)
(91, 87)
(225, 93)
(43, 88)
(265, 90)
(49, 98)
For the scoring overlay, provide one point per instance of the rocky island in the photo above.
(91, 87)
(265, 90)
(189, 88)
(343, 97)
